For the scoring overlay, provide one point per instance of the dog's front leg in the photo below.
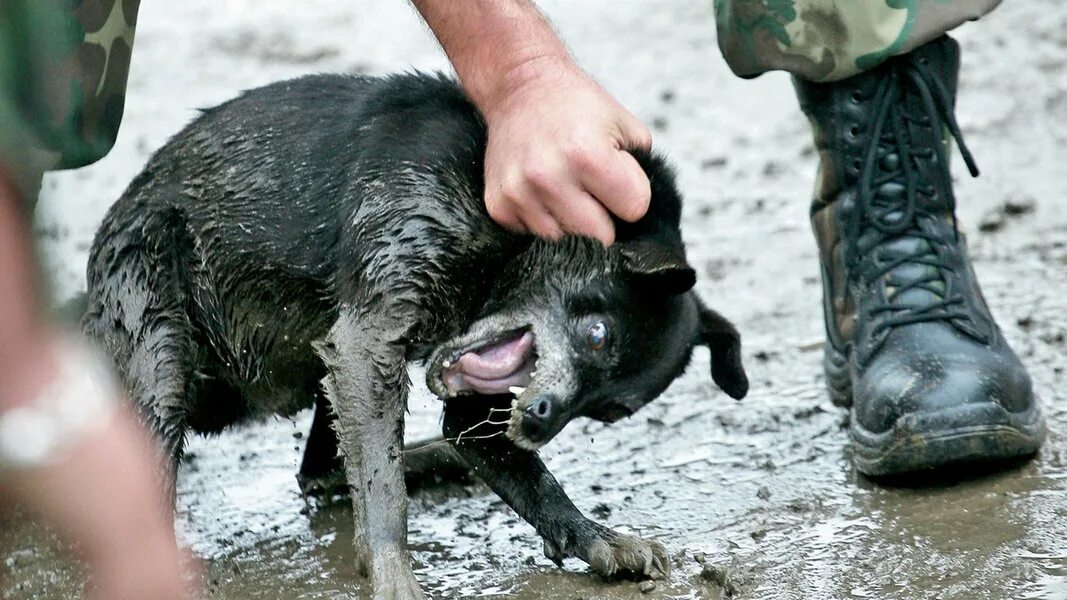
(367, 387)
(520, 478)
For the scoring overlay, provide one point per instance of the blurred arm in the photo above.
(103, 488)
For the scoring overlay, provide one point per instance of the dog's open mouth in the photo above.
(500, 363)
(491, 366)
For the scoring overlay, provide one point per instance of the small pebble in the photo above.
(647, 587)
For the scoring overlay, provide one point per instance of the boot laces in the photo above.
(894, 217)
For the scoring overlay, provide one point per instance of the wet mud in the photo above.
(756, 499)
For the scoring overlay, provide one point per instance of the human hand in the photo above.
(128, 539)
(152, 572)
(104, 492)
(102, 486)
(557, 159)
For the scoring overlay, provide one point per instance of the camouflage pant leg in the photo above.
(826, 40)
(63, 70)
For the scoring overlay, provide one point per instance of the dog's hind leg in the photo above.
(322, 468)
(136, 309)
(432, 462)
(155, 361)
(520, 478)
(367, 386)
(427, 463)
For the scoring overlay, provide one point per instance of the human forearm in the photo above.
(24, 361)
(495, 46)
(91, 475)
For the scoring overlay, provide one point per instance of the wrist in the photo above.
(75, 400)
(495, 46)
(535, 74)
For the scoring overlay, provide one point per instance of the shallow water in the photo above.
(763, 488)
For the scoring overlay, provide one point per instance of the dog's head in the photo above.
(576, 329)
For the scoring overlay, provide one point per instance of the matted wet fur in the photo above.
(304, 241)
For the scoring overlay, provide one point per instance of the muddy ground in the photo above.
(761, 491)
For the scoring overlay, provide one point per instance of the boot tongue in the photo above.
(911, 273)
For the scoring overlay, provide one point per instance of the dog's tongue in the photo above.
(493, 369)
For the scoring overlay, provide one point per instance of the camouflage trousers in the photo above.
(826, 40)
(63, 70)
(64, 63)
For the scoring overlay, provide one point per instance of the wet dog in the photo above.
(310, 238)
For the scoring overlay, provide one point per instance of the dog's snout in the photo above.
(538, 417)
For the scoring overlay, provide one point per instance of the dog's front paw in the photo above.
(624, 555)
(612, 554)
(398, 590)
(396, 582)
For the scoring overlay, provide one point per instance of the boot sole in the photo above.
(922, 441)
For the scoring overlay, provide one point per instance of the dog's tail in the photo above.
(72, 311)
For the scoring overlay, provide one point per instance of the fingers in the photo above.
(613, 176)
(521, 211)
(537, 220)
(550, 215)
(549, 206)
(616, 180)
(553, 193)
(582, 214)
(582, 204)
(633, 133)
(557, 160)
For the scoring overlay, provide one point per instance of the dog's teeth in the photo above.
(516, 389)
(446, 363)
(533, 374)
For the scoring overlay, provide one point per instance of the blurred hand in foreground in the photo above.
(96, 482)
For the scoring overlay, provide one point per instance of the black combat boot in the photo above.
(912, 347)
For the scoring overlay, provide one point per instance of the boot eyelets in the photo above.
(856, 97)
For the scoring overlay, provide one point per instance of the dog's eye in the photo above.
(597, 337)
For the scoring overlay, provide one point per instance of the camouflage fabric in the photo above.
(826, 40)
(63, 69)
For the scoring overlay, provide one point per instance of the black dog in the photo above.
(315, 235)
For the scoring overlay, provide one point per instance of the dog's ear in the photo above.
(657, 266)
(722, 338)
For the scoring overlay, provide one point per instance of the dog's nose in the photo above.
(538, 417)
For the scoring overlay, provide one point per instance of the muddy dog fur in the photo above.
(302, 243)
